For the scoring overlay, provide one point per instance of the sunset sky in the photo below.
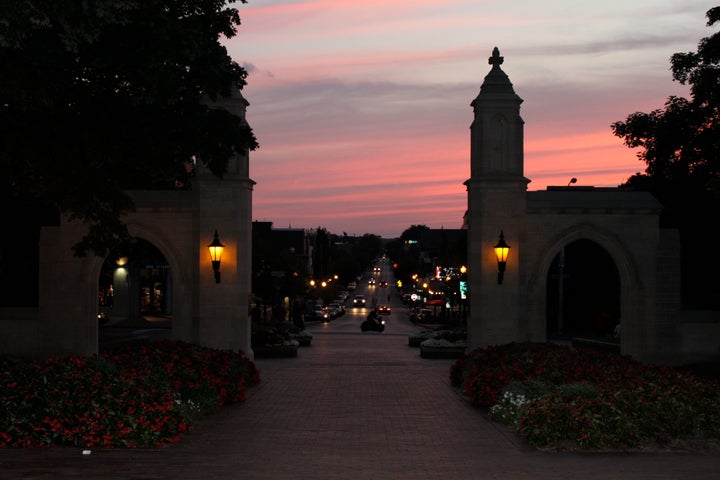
(362, 107)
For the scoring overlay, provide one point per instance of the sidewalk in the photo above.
(351, 406)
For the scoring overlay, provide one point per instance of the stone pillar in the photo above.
(222, 309)
(67, 316)
(496, 203)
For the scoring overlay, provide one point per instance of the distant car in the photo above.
(425, 315)
(333, 310)
(418, 314)
(359, 301)
(371, 281)
(384, 310)
(352, 286)
(320, 313)
(336, 309)
(383, 284)
(376, 270)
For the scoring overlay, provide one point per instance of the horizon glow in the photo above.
(362, 109)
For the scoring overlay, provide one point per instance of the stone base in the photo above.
(276, 351)
(303, 340)
(433, 352)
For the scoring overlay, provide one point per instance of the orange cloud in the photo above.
(362, 107)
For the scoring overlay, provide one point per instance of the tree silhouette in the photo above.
(104, 96)
(680, 145)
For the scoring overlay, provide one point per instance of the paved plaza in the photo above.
(351, 406)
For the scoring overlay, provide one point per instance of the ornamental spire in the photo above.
(496, 60)
(496, 81)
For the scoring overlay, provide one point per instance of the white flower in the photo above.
(442, 343)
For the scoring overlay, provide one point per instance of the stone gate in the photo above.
(622, 228)
(180, 224)
(538, 226)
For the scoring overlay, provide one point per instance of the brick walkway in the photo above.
(351, 406)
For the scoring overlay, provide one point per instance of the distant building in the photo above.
(439, 245)
(281, 248)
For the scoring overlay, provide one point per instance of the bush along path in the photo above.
(140, 396)
(565, 398)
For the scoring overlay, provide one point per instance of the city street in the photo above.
(352, 405)
(397, 323)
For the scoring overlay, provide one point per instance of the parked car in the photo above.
(425, 315)
(418, 314)
(320, 313)
(333, 310)
(336, 309)
(384, 310)
(359, 301)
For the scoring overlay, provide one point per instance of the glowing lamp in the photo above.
(501, 253)
(216, 250)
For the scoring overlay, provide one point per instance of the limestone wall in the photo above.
(625, 226)
(19, 332)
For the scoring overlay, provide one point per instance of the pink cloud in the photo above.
(362, 108)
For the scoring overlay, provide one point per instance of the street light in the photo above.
(501, 253)
(216, 250)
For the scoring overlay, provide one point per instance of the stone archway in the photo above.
(538, 225)
(583, 292)
(135, 292)
(180, 223)
(634, 302)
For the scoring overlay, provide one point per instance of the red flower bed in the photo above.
(632, 403)
(144, 396)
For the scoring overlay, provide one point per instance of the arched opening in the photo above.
(134, 295)
(583, 293)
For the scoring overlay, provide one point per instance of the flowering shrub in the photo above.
(444, 337)
(443, 343)
(509, 408)
(515, 397)
(144, 396)
(452, 336)
(594, 400)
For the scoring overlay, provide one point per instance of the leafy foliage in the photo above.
(132, 397)
(99, 97)
(680, 144)
(682, 140)
(561, 397)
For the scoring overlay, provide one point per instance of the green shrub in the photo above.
(514, 398)
(143, 396)
(562, 397)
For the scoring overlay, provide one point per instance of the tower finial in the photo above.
(496, 59)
